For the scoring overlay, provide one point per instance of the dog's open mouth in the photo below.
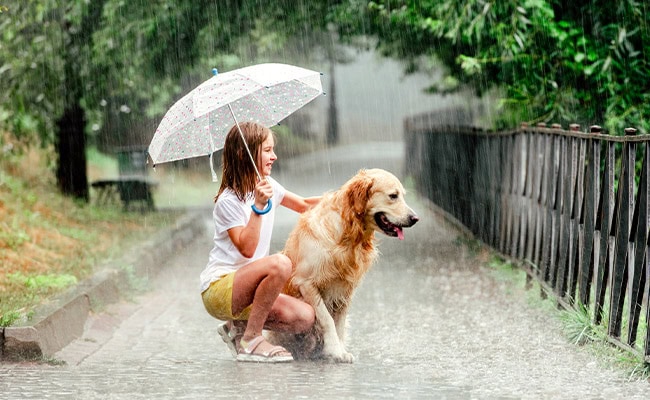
(388, 227)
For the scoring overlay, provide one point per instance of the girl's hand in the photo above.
(263, 192)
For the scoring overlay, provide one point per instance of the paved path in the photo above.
(429, 321)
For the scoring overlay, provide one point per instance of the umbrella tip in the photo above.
(215, 71)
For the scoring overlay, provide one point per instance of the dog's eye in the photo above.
(393, 196)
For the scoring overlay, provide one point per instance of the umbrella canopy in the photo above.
(197, 124)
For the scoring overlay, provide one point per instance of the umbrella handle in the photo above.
(264, 211)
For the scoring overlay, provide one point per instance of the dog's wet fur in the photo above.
(332, 247)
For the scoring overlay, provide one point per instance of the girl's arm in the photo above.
(246, 238)
(298, 203)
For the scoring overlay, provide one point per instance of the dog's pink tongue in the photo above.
(400, 234)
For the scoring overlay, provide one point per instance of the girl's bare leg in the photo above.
(260, 283)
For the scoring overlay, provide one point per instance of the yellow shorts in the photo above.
(217, 300)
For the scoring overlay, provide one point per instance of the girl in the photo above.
(242, 283)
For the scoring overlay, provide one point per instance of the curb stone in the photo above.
(60, 321)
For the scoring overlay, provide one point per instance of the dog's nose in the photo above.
(413, 219)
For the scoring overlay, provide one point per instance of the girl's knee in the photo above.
(282, 266)
(305, 317)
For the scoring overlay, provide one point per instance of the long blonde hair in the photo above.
(238, 171)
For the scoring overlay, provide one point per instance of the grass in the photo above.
(49, 242)
(580, 330)
(577, 323)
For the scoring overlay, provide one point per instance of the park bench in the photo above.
(133, 187)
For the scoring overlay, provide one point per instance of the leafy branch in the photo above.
(584, 62)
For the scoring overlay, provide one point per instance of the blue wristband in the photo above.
(264, 211)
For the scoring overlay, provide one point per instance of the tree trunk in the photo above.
(71, 173)
(332, 111)
(332, 137)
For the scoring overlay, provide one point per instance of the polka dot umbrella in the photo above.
(197, 124)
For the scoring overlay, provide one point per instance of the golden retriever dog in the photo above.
(332, 247)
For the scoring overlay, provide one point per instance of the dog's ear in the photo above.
(358, 192)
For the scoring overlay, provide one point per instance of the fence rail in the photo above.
(571, 207)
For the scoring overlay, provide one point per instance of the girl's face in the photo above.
(267, 155)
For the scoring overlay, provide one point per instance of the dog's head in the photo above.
(377, 197)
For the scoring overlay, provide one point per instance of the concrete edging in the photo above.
(62, 320)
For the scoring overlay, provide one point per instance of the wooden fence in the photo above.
(572, 208)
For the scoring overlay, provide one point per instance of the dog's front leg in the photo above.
(332, 346)
(340, 321)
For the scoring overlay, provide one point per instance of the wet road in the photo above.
(428, 322)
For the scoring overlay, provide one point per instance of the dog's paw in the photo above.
(339, 356)
(344, 357)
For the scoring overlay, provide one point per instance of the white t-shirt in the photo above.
(230, 212)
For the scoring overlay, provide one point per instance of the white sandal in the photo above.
(230, 336)
(250, 353)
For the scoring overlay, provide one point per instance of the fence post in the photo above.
(576, 228)
(553, 207)
(604, 224)
(547, 203)
(623, 252)
(518, 183)
(639, 254)
(564, 213)
(532, 193)
(496, 172)
(540, 199)
(591, 238)
(506, 192)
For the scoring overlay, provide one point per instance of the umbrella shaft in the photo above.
(245, 144)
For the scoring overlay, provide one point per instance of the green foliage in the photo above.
(21, 288)
(8, 318)
(553, 61)
(579, 327)
(580, 330)
(12, 234)
(31, 68)
(46, 281)
(584, 61)
(130, 60)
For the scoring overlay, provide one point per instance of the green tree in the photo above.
(68, 65)
(43, 67)
(31, 70)
(584, 61)
(150, 54)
